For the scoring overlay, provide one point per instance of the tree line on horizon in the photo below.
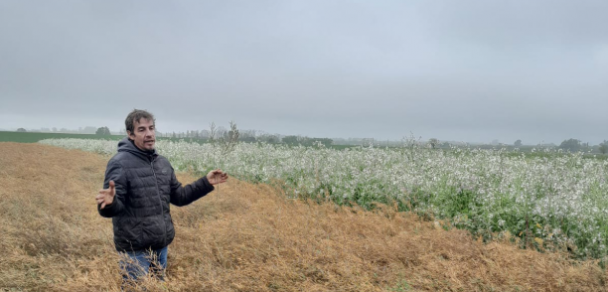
(221, 134)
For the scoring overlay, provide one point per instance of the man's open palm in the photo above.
(106, 196)
(217, 177)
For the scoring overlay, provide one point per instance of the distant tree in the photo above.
(221, 132)
(517, 143)
(233, 133)
(272, 139)
(571, 145)
(290, 140)
(21, 130)
(247, 139)
(212, 132)
(433, 142)
(247, 136)
(603, 147)
(248, 133)
(103, 131)
(325, 141)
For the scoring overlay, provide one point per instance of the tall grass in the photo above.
(549, 201)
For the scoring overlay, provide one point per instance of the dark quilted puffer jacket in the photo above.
(145, 187)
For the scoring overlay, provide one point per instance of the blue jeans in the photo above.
(136, 264)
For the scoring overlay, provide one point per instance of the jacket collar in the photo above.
(127, 145)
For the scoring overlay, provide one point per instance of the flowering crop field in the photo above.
(549, 201)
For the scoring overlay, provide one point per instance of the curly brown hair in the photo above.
(135, 116)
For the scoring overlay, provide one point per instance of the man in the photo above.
(139, 186)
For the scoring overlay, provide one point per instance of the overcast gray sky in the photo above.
(470, 71)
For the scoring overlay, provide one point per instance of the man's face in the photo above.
(143, 134)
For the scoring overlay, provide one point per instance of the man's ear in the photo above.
(129, 134)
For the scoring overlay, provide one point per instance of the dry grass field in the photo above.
(246, 237)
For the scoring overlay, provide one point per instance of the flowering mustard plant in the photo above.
(549, 201)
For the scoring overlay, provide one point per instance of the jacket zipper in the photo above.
(161, 203)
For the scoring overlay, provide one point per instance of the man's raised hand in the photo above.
(217, 177)
(106, 196)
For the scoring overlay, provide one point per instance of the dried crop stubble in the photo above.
(245, 237)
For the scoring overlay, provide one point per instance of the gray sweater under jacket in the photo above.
(145, 186)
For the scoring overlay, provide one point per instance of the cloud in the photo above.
(466, 70)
